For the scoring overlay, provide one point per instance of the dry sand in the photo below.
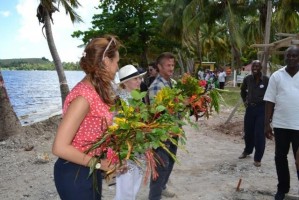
(210, 170)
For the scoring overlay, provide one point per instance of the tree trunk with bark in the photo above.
(64, 88)
(144, 60)
(180, 62)
(199, 48)
(9, 122)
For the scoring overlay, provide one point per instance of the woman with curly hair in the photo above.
(86, 116)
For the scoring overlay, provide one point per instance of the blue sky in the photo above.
(21, 34)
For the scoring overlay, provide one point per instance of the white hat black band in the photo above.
(130, 76)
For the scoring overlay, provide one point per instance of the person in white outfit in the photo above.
(128, 184)
(221, 78)
(200, 75)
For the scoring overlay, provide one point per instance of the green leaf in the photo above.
(146, 145)
(156, 144)
(124, 126)
(123, 154)
(164, 137)
(137, 95)
(139, 136)
(175, 129)
(160, 108)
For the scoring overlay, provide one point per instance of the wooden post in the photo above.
(267, 37)
(239, 184)
(234, 110)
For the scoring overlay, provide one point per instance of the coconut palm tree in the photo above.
(252, 30)
(214, 42)
(44, 14)
(192, 26)
(173, 26)
(286, 17)
(189, 16)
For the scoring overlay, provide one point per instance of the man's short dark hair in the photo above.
(164, 55)
(153, 64)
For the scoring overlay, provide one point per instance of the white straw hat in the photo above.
(128, 72)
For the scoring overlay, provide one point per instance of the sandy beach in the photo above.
(209, 167)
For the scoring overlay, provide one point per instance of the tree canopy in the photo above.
(204, 30)
(137, 26)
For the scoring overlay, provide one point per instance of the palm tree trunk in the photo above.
(237, 57)
(9, 122)
(144, 60)
(199, 47)
(180, 62)
(64, 88)
(233, 36)
(267, 37)
(190, 66)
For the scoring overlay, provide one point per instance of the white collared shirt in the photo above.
(283, 90)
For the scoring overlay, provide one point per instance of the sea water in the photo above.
(35, 95)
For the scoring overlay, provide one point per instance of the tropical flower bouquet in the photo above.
(198, 98)
(139, 128)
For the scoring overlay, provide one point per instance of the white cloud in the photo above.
(4, 13)
(30, 32)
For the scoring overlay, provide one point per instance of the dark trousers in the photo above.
(254, 131)
(73, 183)
(221, 85)
(164, 170)
(283, 139)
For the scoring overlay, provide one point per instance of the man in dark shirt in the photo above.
(252, 92)
(151, 76)
(153, 73)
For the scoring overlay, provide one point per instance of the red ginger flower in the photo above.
(202, 83)
(112, 156)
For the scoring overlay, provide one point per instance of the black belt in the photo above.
(256, 104)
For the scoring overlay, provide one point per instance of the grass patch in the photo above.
(231, 97)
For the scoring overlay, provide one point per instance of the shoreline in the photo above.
(28, 121)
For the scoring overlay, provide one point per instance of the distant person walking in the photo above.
(221, 78)
(253, 90)
(200, 75)
(282, 110)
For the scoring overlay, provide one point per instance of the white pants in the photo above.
(128, 184)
